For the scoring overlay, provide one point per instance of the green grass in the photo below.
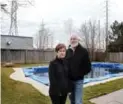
(102, 89)
(15, 92)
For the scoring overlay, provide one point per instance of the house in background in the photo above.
(16, 42)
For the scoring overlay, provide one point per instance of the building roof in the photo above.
(15, 36)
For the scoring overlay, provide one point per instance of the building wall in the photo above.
(16, 42)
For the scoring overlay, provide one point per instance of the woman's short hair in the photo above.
(59, 46)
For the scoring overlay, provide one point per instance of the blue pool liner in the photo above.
(108, 65)
(28, 72)
(41, 79)
(31, 72)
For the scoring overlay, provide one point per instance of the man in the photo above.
(79, 65)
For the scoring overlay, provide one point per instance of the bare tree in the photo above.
(93, 34)
(85, 35)
(70, 28)
(88, 32)
(90, 36)
(44, 37)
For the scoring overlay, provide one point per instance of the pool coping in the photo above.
(18, 75)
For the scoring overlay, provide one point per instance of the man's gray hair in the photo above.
(75, 36)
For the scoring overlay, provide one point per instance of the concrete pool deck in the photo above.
(18, 75)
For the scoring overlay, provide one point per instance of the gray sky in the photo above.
(57, 11)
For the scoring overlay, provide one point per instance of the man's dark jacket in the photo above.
(58, 77)
(78, 62)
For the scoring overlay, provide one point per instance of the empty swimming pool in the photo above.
(101, 71)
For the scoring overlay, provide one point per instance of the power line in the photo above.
(99, 33)
(13, 30)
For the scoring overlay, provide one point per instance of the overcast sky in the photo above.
(55, 12)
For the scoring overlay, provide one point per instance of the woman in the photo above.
(60, 85)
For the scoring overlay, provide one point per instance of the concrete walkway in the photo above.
(112, 98)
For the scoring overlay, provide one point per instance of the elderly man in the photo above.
(79, 65)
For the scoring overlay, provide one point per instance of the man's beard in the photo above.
(74, 45)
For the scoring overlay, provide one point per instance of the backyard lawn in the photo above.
(14, 92)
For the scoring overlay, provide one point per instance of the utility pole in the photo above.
(13, 27)
(106, 28)
(13, 30)
(99, 34)
(41, 36)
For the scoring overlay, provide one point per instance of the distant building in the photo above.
(16, 42)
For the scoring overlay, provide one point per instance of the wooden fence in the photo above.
(115, 57)
(26, 56)
(38, 56)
